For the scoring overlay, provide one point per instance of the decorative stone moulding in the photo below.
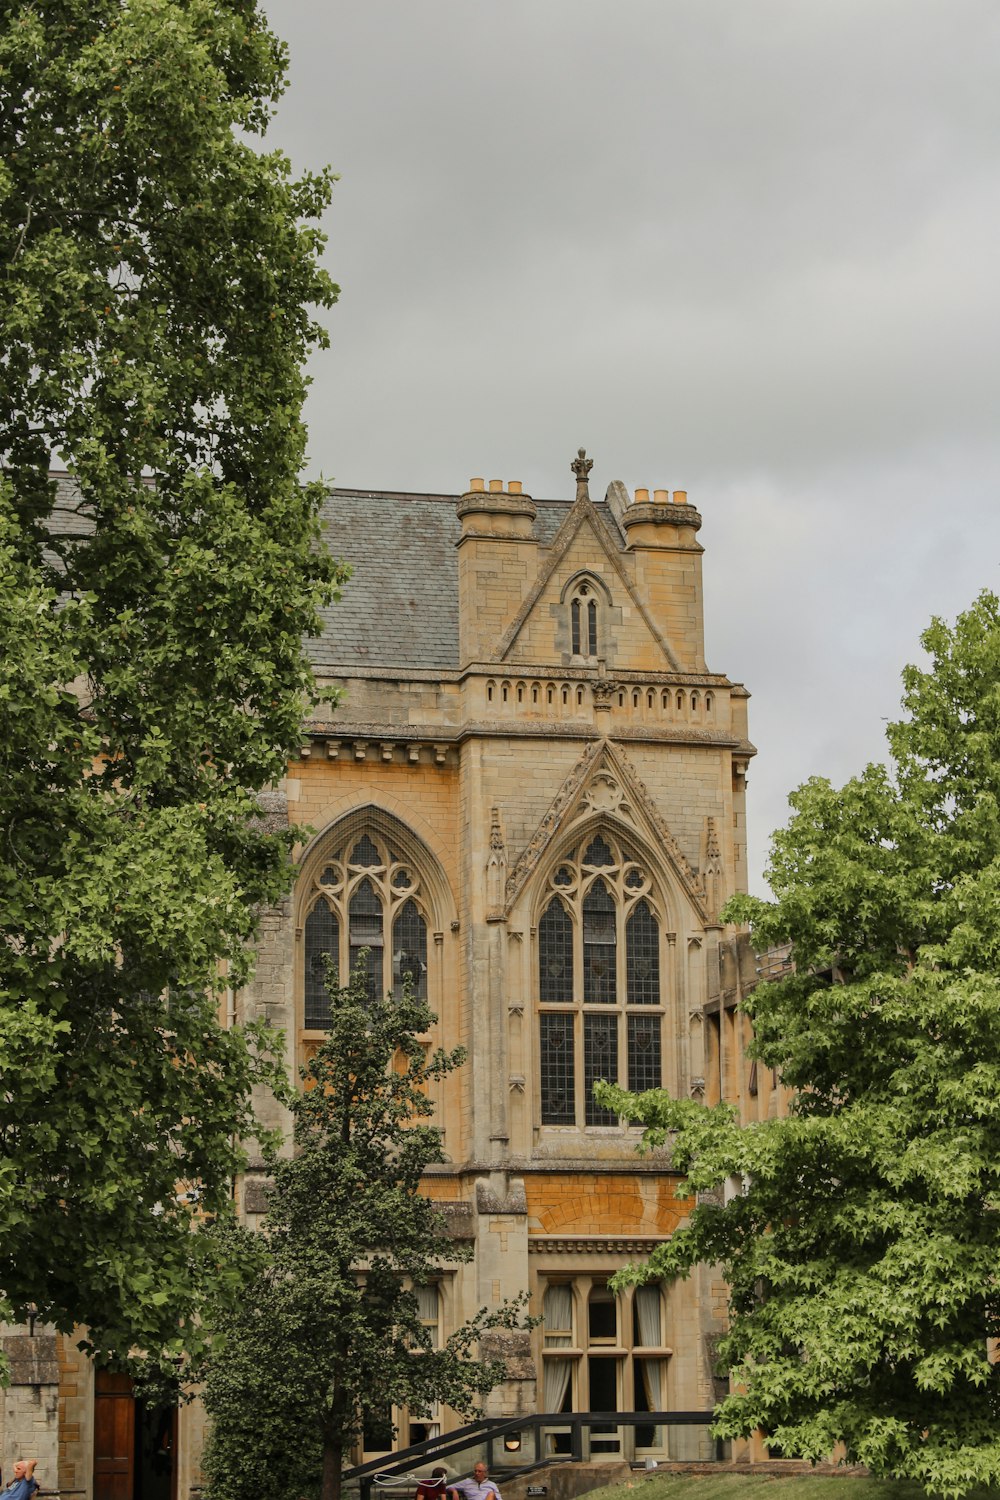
(678, 513)
(377, 749)
(547, 1244)
(496, 502)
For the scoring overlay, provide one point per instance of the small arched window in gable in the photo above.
(583, 619)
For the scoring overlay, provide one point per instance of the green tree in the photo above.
(329, 1331)
(154, 321)
(862, 1253)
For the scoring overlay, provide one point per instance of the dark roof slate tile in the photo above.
(400, 606)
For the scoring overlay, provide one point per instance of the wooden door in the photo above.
(114, 1437)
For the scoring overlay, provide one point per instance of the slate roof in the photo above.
(400, 606)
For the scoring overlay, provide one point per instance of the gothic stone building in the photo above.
(530, 796)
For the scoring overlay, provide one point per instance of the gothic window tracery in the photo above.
(366, 908)
(600, 1004)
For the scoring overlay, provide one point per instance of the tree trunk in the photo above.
(333, 1462)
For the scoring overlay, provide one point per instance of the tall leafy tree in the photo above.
(155, 315)
(329, 1332)
(863, 1250)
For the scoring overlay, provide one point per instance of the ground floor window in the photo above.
(603, 1352)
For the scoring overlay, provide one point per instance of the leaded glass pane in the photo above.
(599, 939)
(329, 876)
(592, 628)
(322, 936)
(365, 854)
(409, 951)
(600, 1061)
(642, 956)
(556, 1049)
(602, 1316)
(366, 933)
(645, 1066)
(555, 954)
(575, 619)
(598, 854)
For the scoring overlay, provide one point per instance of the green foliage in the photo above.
(329, 1330)
(862, 1254)
(154, 320)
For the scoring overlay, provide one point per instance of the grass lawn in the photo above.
(766, 1487)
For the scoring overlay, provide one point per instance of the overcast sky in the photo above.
(746, 248)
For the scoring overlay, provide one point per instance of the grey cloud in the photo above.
(746, 249)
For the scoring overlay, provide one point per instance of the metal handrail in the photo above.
(488, 1430)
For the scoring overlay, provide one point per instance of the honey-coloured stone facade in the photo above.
(527, 732)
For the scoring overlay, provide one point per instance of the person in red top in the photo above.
(435, 1487)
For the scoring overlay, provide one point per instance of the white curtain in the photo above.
(649, 1324)
(557, 1377)
(557, 1324)
(647, 1316)
(652, 1380)
(427, 1307)
(557, 1314)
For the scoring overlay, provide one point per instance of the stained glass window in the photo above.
(599, 944)
(322, 937)
(600, 1061)
(645, 1068)
(409, 951)
(642, 942)
(599, 969)
(555, 950)
(557, 1060)
(366, 897)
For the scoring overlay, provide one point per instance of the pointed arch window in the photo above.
(600, 999)
(322, 936)
(366, 934)
(585, 601)
(367, 908)
(555, 933)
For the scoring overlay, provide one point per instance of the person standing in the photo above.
(24, 1484)
(476, 1488)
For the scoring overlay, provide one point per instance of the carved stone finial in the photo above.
(496, 832)
(581, 467)
(496, 868)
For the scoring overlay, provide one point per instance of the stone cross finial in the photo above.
(581, 467)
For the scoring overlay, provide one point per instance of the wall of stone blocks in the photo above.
(30, 1405)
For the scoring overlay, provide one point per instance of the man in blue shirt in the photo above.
(24, 1484)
